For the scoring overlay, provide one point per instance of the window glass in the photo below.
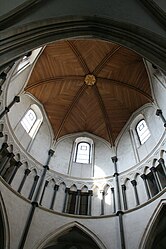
(142, 131)
(84, 204)
(28, 120)
(23, 63)
(83, 153)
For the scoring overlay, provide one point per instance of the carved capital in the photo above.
(114, 159)
(17, 99)
(27, 171)
(153, 169)
(161, 161)
(51, 152)
(159, 112)
(143, 176)
(134, 183)
(124, 187)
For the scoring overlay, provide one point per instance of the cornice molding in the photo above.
(156, 11)
(15, 41)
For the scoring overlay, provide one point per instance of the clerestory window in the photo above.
(83, 153)
(29, 120)
(32, 120)
(142, 131)
(83, 150)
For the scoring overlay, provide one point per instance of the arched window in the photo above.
(23, 63)
(32, 120)
(142, 131)
(29, 120)
(27, 60)
(83, 150)
(83, 153)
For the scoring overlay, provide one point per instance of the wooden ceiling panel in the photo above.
(93, 51)
(121, 87)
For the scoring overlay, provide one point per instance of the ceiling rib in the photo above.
(105, 115)
(54, 79)
(105, 60)
(75, 100)
(79, 57)
(121, 83)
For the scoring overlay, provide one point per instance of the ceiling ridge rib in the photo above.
(52, 80)
(79, 57)
(75, 100)
(105, 115)
(116, 82)
(105, 60)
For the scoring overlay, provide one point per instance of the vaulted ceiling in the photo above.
(89, 85)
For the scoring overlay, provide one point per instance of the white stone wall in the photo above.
(105, 229)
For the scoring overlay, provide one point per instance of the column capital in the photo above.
(159, 112)
(90, 192)
(17, 99)
(4, 146)
(3, 76)
(36, 178)
(56, 187)
(123, 187)
(119, 212)
(67, 190)
(144, 177)
(153, 169)
(78, 192)
(34, 203)
(112, 190)
(161, 161)
(134, 183)
(51, 152)
(18, 164)
(10, 155)
(27, 171)
(7, 109)
(46, 167)
(114, 159)
(46, 183)
(115, 174)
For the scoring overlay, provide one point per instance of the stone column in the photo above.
(66, 200)
(116, 175)
(124, 196)
(144, 177)
(77, 204)
(5, 162)
(89, 202)
(160, 114)
(3, 148)
(7, 109)
(102, 202)
(36, 178)
(119, 212)
(162, 163)
(17, 166)
(42, 178)
(53, 197)
(134, 183)
(114, 204)
(35, 201)
(27, 171)
(44, 189)
(153, 169)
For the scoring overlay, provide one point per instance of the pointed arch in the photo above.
(67, 227)
(155, 229)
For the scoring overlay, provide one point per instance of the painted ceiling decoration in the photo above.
(89, 85)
